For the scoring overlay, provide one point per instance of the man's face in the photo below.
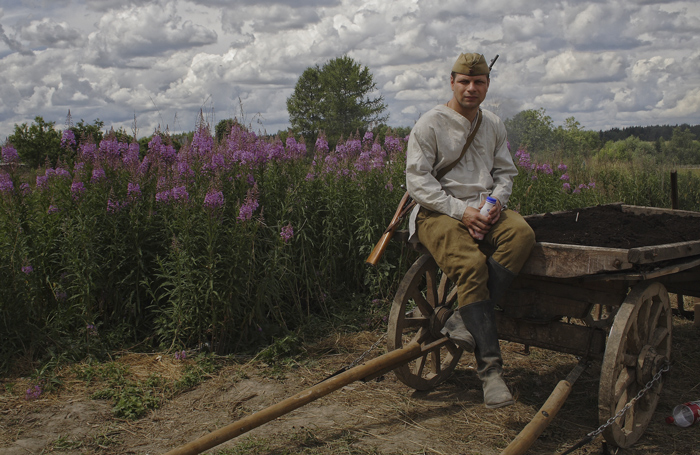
(469, 91)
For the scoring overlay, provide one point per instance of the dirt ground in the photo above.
(378, 417)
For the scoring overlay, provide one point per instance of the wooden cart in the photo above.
(604, 304)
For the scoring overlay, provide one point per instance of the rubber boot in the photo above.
(457, 332)
(499, 281)
(480, 320)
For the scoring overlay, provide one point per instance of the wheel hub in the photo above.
(649, 362)
(438, 319)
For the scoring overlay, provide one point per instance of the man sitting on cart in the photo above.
(447, 219)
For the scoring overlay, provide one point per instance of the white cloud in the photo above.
(46, 32)
(611, 63)
(148, 30)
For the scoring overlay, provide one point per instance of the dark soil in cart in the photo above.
(608, 226)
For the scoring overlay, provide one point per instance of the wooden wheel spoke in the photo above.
(658, 337)
(654, 316)
(411, 323)
(422, 304)
(451, 297)
(431, 292)
(624, 380)
(442, 290)
(420, 365)
(437, 366)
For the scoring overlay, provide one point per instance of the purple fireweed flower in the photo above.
(33, 393)
(163, 196)
(523, 158)
(389, 187)
(576, 190)
(78, 166)
(392, 144)
(68, 139)
(322, 144)
(9, 154)
(52, 209)
(591, 185)
(287, 233)
(534, 177)
(250, 179)
(310, 176)
(40, 181)
(250, 205)
(91, 329)
(368, 137)
(6, 185)
(76, 189)
(143, 167)
(180, 193)
(25, 188)
(546, 168)
(564, 177)
(583, 186)
(97, 175)
(562, 167)
(202, 142)
(184, 169)
(214, 199)
(114, 206)
(133, 190)
(60, 172)
(217, 160)
(87, 152)
(294, 149)
(131, 156)
(27, 269)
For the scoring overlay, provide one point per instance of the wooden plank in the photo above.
(569, 261)
(642, 210)
(666, 252)
(534, 298)
(555, 336)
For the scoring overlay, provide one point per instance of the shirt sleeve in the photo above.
(424, 188)
(504, 169)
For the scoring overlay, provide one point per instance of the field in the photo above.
(383, 417)
(147, 300)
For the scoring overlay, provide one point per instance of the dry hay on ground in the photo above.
(382, 417)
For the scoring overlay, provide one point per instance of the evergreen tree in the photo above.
(335, 98)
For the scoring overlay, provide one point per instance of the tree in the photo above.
(532, 129)
(335, 99)
(36, 143)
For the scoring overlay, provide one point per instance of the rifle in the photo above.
(405, 206)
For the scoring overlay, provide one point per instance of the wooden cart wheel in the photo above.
(422, 303)
(638, 346)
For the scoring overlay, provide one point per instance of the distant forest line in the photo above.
(646, 133)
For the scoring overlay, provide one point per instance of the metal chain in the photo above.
(593, 434)
(356, 361)
(640, 394)
(364, 354)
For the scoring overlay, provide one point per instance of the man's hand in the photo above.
(478, 224)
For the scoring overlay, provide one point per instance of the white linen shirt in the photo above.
(487, 169)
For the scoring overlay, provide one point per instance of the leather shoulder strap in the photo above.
(443, 172)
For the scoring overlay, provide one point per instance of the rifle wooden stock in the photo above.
(404, 207)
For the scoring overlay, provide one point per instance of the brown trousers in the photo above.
(463, 258)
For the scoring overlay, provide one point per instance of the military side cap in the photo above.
(471, 65)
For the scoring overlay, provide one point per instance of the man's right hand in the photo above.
(477, 224)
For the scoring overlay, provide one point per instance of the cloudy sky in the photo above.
(606, 63)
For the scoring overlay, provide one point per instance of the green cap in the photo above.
(471, 65)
